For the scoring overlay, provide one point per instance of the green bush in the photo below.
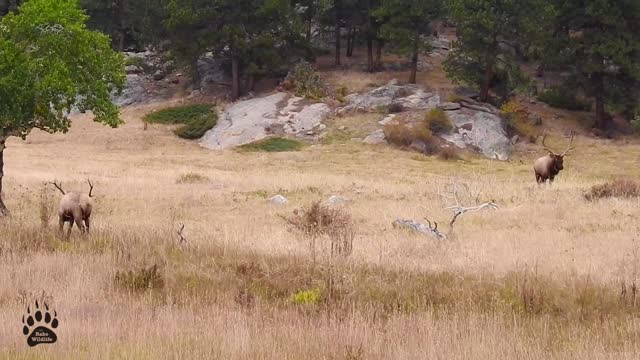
(274, 144)
(438, 122)
(562, 98)
(197, 119)
(306, 297)
(304, 81)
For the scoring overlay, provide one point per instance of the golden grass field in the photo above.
(539, 278)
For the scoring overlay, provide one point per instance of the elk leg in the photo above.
(80, 225)
(87, 222)
(70, 227)
(61, 224)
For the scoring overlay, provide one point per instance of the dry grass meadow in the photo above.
(540, 278)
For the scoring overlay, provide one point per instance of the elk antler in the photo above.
(544, 137)
(90, 187)
(569, 148)
(59, 187)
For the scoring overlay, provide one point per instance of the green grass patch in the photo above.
(197, 119)
(274, 144)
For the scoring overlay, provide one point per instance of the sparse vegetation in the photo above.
(192, 178)
(197, 119)
(518, 121)
(140, 280)
(438, 122)
(620, 188)
(273, 144)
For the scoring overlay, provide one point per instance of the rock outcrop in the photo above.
(278, 114)
(390, 95)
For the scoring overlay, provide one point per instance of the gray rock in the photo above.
(336, 200)
(376, 137)
(159, 75)
(250, 120)
(132, 69)
(389, 118)
(278, 200)
(406, 96)
(134, 91)
(450, 106)
(480, 130)
(515, 139)
(419, 146)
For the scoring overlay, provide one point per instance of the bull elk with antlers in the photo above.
(75, 207)
(547, 167)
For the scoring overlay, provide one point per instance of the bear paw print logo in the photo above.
(38, 327)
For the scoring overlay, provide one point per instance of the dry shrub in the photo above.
(401, 134)
(46, 206)
(437, 121)
(449, 153)
(319, 220)
(518, 121)
(621, 188)
(192, 178)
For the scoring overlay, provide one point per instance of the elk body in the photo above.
(75, 207)
(547, 167)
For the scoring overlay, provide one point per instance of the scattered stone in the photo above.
(159, 75)
(336, 200)
(419, 146)
(132, 69)
(515, 139)
(376, 137)
(278, 200)
(387, 119)
(450, 106)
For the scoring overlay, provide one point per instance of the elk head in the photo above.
(558, 159)
(547, 167)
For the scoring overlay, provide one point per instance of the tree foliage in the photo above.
(488, 33)
(598, 42)
(50, 63)
(408, 26)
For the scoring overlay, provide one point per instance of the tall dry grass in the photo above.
(542, 277)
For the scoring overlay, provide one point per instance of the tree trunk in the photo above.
(235, 78)
(350, 36)
(195, 74)
(601, 115)
(414, 61)
(122, 26)
(370, 64)
(3, 209)
(378, 65)
(337, 6)
(486, 83)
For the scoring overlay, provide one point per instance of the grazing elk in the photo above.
(547, 167)
(75, 207)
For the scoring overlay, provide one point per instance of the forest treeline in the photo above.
(596, 43)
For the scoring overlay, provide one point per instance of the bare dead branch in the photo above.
(181, 238)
